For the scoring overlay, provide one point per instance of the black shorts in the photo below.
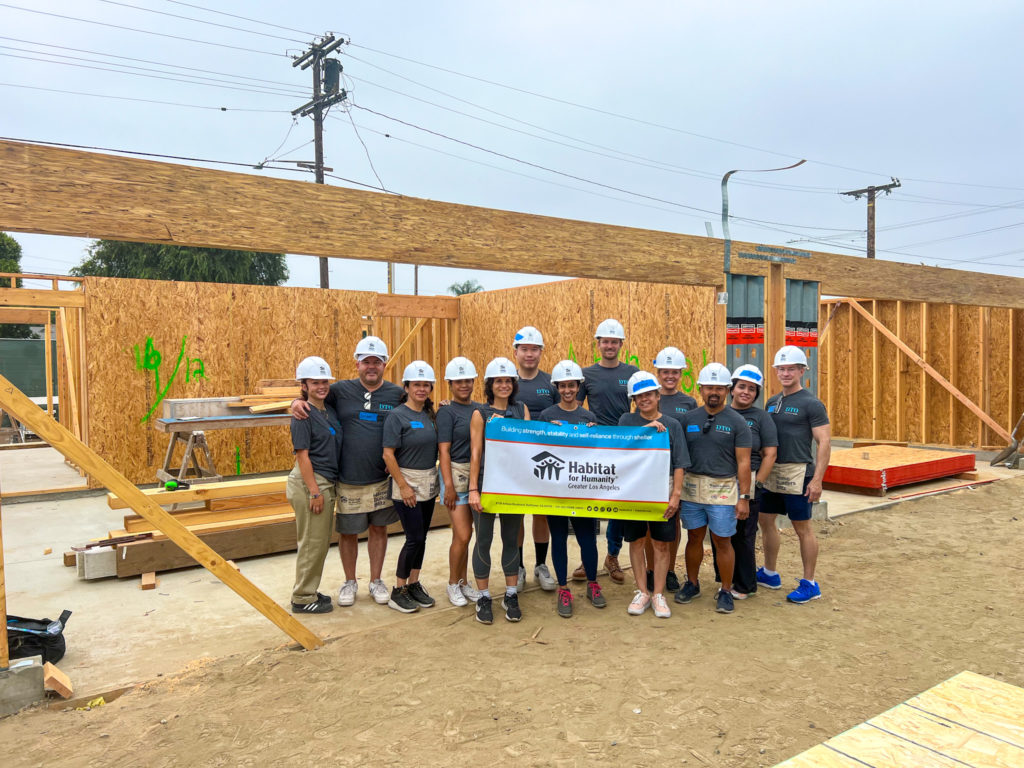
(660, 530)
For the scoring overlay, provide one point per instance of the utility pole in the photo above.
(871, 192)
(326, 92)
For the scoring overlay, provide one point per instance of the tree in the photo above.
(10, 261)
(469, 286)
(152, 261)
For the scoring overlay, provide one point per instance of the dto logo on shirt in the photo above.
(723, 428)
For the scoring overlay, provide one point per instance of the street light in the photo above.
(725, 206)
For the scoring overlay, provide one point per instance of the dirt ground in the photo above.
(913, 595)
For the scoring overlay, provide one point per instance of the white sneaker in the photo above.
(379, 592)
(543, 576)
(738, 595)
(455, 596)
(640, 602)
(521, 580)
(347, 593)
(470, 593)
(661, 609)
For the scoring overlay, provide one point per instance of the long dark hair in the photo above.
(428, 404)
(489, 391)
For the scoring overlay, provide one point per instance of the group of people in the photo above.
(369, 453)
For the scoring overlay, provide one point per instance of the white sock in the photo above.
(510, 591)
(485, 593)
(770, 573)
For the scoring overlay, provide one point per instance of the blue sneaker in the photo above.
(807, 591)
(772, 582)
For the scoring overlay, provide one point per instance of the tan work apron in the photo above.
(356, 499)
(423, 482)
(703, 489)
(460, 476)
(786, 478)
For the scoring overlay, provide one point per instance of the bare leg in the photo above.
(660, 565)
(673, 547)
(694, 552)
(348, 549)
(726, 559)
(458, 552)
(541, 533)
(649, 553)
(771, 540)
(377, 546)
(808, 547)
(638, 561)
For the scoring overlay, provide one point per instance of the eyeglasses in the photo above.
(708, 424)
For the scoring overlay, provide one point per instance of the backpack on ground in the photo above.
(37, 637)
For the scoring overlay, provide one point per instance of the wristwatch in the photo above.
(315, 495)
(745, 496)
(759, 484)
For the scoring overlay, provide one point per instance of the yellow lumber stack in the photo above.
(270, 395)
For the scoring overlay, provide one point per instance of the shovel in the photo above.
(1007, 452)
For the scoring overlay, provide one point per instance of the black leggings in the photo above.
(585, 537)
(509, 526)
(416, 523)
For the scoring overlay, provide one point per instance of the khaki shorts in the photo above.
(360, 506)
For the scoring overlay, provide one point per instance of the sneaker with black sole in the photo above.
(723, 604)
(511, 605)
(322, 604)
(564, 603)
(402, 601)
(595, 596)
(688, 591)
(419, 594)
(772, 581)
(483, 610)
(650, 582)
(672, 582)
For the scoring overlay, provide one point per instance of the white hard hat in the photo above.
(313, 368)
(371, 346)
(528, 335)
(610, 329)
(641, 382)
(790, 355)
(670, 357)
(566, 370)
(749, 373)
(459, 368)
(714, 374)
(418, 370)
(501, 366)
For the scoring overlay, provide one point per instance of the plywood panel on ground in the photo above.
(888, 466)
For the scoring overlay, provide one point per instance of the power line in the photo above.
(199, 21)
(242, 18)
(143, 101)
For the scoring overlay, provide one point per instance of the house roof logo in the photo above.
(547, 466)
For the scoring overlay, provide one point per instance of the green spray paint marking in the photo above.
(149, 359)
(238, 461)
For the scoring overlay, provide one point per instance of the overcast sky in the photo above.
(625, 113)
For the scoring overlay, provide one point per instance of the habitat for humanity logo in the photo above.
(548, 466)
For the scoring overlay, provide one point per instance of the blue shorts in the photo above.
(795, 506)
(461, 499)
(720, 518)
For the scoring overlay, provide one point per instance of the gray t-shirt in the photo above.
(713, 441)
(321, 435)
(676, 405)
(762, 433)
(453, 422)
(795, 416)
(537, 393)
(413, 436)
(680, 456)
(578, 416)
(490, 412)
(605, 391)
(362, 415)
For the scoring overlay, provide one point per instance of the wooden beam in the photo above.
(774, 322)
(56, 681)
(12, 399)
(395, 305)
(876, 391)
(170, 203)
(924, 373)
(1013, 382)
(18, 316)
(405, 342)
(931, 371)
(201, 492)
(70, 396)
(4, 651)
(984, 362)
(48, 364)
(954, 371)
(27, 297)
(901, 385)
(852, 378)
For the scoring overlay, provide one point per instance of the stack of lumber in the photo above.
(874, 469)
(237, 518)
(270, 395)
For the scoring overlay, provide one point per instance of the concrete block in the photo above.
(97, 563)
(819, 511)
(21, 685)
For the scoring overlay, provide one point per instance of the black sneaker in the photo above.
(724, 603)
(420, 596)
(688, 592)
(650, 582)
(672, 582)
(402, 601)
(511, 605)
(322, 604)
(483, 610)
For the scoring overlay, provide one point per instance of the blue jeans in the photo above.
(614, 535)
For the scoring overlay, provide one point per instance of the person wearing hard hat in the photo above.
(453, 444)
(747, 381)
(536, 392)
(668, 367)
(717, 489)
(316, 442)
(567, 377)
(501, 384)
(604, 389)
(364, 488)
(643, 391)
(410, 454)
(794, 483)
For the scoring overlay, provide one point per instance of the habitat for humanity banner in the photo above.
(534, 467)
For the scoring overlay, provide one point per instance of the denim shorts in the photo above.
(720, 518)
(461, 499)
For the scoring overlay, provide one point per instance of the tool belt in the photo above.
(356, 499)
(423, 482)
(460, 476)
(787, 478)
(704, 489)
